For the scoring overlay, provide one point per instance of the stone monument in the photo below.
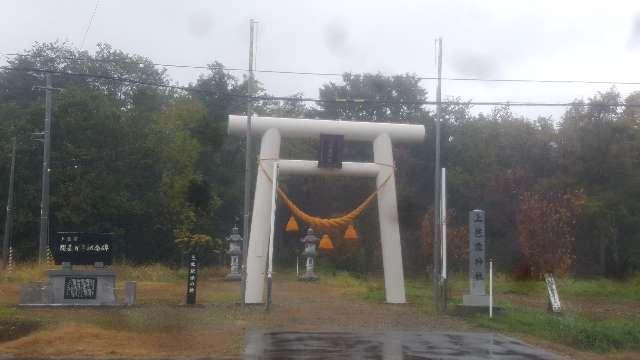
(477, 295)
(72, 287)
(235, 251)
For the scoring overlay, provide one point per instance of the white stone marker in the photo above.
(477, 295)
(554, 298)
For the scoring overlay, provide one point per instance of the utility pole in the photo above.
(247, 166)
(8, 222)
(443, 235)
(43, 242)
(437, 218)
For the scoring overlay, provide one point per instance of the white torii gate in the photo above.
(381, 134)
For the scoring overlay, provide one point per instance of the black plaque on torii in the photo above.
(330, 151)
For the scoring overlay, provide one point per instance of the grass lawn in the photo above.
(600, 315)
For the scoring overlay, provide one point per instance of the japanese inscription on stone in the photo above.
(80, 287)
(192, 280)
(80, 248)
(476, 252)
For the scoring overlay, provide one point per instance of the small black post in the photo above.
(192, 280)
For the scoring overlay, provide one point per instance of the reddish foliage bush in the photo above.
(546, 226)
(457, 239)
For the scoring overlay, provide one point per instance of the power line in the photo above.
(98, 76)
(84, 37)
(81, 59)
(317, 100)
(333, 74)
(534, 81)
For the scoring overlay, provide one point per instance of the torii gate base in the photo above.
(381, 134)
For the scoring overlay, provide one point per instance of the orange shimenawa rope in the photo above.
(322, 224)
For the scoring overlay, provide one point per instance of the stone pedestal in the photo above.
(310, 274)
(234, 273)
(130, 292)
(33, 293)
(81, 287)
(233, 277)
(475, 300)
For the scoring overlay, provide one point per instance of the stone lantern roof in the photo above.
(235, 235)
(310, 237)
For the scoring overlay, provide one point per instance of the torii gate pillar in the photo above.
(260, 219)
(381, 134)
(388, 219)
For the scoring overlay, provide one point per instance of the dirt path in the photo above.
(315, 306)
(160, 327)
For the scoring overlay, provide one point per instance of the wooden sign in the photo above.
(330, 151)
(192, 280)
(554, 297)
(80, 248)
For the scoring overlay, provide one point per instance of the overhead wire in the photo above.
(313, 73)
(81, 59)
(317, 100)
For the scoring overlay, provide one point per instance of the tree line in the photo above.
(154, 165)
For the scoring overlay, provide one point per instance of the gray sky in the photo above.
(561, 39)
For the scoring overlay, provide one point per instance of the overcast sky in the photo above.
(585, 40)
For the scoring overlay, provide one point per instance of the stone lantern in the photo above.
(310, 244)
(235, 251)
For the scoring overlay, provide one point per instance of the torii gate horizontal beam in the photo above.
(307, 167)
(306, 128)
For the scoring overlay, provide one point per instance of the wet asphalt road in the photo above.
(389, 345)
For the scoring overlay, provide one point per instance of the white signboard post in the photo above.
(477, 295)
(554, 298)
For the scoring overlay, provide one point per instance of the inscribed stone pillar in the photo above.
(477, 295)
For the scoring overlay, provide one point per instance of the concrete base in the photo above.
(309, 277)
(475, 300)
(33, 293)
(463, 310)
(233, 277)
(84, 288)
(105, 287)
(130, 292)
(69, 306)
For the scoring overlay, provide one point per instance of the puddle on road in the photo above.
(388, 345)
